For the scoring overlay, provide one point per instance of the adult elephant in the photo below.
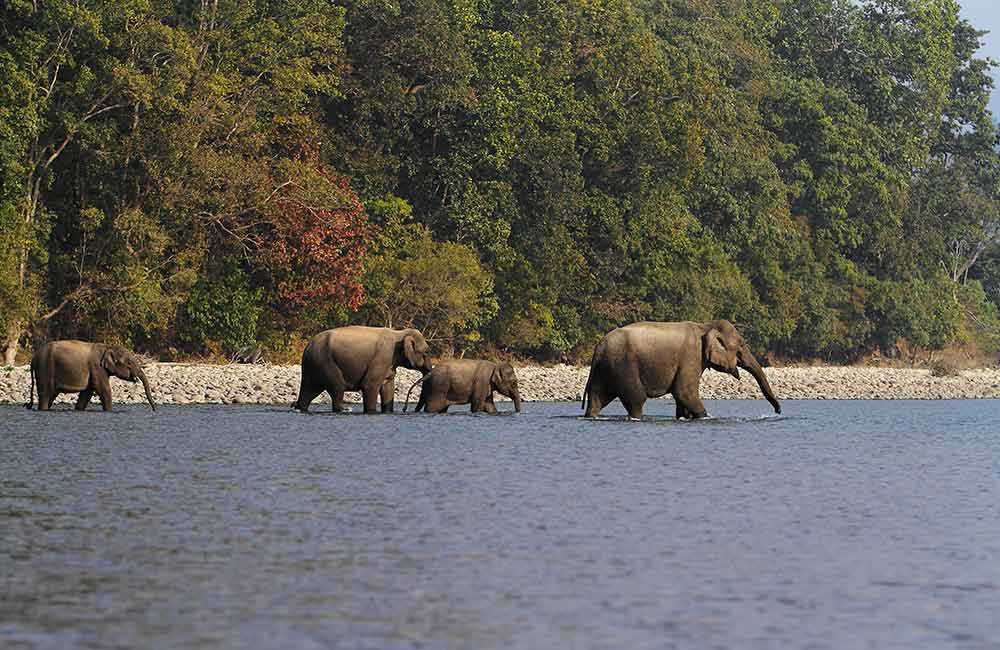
(651, 359)
(82, 367)
(467, 381)
(359, 358)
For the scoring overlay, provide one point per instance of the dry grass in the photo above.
(945, 368)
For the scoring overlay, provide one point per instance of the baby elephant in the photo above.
(81, 367)
(466, 381)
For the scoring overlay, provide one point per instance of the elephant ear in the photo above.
(715, 349)
(496, 379)
(108, 360)
(410, 351)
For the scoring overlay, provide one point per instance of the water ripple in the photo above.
(833, 525)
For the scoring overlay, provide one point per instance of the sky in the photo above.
(985, 14)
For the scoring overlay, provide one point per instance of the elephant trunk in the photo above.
(145, 384)
(747, 361)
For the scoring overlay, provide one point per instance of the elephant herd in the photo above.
(631, 363)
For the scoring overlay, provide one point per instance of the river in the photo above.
(839, 524)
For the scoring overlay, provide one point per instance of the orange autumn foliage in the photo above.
(318, 241)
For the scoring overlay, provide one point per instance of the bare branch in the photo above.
(76, 293)
(278, 189)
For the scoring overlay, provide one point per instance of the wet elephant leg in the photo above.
(84, 399)
(633, 404)
(336, 399)
(682, 411)
(104, 392)
(387, 396)
(633, 397)
(478, 403)
(369, 395)
(436, 404)
(597, 398)
(308, 391)
(686, 393)
(693, 408)
(490, 406)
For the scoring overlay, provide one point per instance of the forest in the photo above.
(513, 177)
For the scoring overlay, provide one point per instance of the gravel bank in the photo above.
(181, 383)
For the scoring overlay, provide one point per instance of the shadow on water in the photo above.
(396, 413)
(673, 421)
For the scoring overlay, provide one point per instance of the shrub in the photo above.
(945, 368)
(225, 311)
(411, 280)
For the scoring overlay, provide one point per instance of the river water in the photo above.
(835, 525)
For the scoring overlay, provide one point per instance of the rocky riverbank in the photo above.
(182, 383)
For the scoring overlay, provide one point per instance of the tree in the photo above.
(413, 281)
(313, 241)
(76, 68)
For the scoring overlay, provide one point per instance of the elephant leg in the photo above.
(597, 398)
(84, 399)
(336, 400)
(308, 391)
(633, 404)
(490, 407)
(690, 407)
(632, 393)
(686, 393)
(387, 396)
(104, 392)
(436, 404)
(369, 395)
(45, 400)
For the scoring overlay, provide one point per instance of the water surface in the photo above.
(835, 525)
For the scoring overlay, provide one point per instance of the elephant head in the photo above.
(725, 351)
(504, 381)
(416, 352)
(123, 364)
(720, 345)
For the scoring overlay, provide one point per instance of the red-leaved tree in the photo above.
(318, 234)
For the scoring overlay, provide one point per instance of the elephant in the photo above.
(466, 381)
(82, 367)
(651, 359)
(359, 358)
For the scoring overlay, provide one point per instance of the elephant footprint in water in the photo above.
(82, 367)
(466, 381)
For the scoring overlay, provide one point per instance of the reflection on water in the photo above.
(834, 525)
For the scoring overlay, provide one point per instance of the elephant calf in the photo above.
(81, 367)
(467, 381)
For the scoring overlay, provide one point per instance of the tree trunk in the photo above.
(13, 335)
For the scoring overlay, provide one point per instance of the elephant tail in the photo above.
(406, 404)
(590, 378)
(31, 391)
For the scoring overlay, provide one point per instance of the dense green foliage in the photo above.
(194, 175)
